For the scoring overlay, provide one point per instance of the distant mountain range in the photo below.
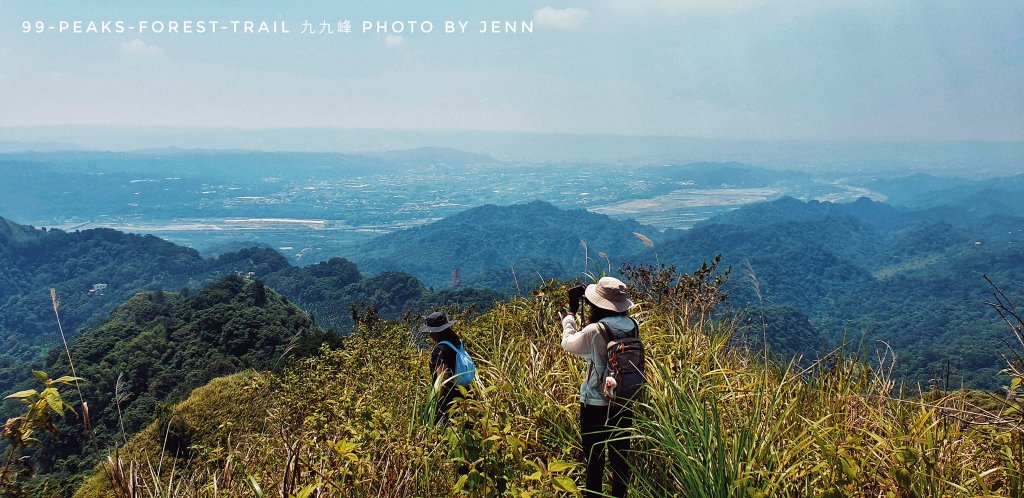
(947, 157)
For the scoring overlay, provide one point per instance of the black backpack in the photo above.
(625, 362)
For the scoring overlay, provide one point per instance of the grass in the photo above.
(715, 422)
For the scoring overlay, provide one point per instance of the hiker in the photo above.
(603, 420)
(448, 361)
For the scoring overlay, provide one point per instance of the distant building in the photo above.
(98, 289)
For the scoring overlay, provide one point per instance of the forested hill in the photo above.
(521, 236)
(155, 349)
(923, 191)
(32, 261)
(907, 277)
(990, 206)
(787, 209)
(11, 232)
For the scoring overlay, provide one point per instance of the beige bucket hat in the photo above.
(609, 293)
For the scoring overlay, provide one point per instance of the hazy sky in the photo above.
(745, 69)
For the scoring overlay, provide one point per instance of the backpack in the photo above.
(465, 370)
(625, 362)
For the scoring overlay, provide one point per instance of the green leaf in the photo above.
(461, 483)
(566, 484)
(1015, 382)
(22, 394)
(559, 466)
(67, 379)
(41, 375)
(305, 492)
(344, 447)
(849, 468)
(903, 477)
(53, 400)
(254, 486)
(56, 404)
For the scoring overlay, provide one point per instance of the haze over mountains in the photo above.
(314, 206)
(948, 158)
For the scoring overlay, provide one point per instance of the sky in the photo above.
(896, 70)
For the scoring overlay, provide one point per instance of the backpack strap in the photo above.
(457, 350)
(602, 328)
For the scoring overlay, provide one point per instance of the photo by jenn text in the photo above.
(280, 27)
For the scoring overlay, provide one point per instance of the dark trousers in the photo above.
(449, 395)
(601, 428)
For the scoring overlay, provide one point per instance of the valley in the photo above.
(312, 207)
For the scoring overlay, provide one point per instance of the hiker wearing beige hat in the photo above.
(602, 420)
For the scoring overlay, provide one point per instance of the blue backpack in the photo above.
(465, 370)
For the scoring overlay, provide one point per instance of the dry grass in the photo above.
(716, 421)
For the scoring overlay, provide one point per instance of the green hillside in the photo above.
(489, 238)
(154, 350)
(868, 270)
(964, 195)
(33, 261)
(717, 422)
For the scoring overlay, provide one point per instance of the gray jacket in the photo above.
(589, 345)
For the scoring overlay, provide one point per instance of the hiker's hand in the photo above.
(575, 297)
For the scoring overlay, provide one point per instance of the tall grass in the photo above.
(715, 420)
